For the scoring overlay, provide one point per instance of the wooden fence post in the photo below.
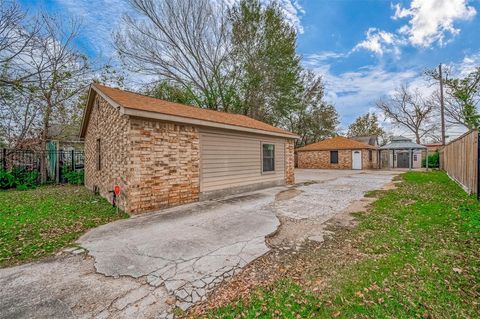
(478, 165)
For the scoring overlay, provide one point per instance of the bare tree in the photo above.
(16, 36)
(181, 41)
(409, 109)
(62, 73)
(18, 117)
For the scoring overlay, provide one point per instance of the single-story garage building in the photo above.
(163, 154)
(338, 152)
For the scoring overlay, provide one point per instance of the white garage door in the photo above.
(229, 160)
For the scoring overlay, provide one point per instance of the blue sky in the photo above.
(362, 48)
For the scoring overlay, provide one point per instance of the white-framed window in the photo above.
(268, 157)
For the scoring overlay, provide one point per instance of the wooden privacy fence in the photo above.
(460, 160)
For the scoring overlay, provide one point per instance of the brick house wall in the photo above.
(112, 130)
(155, 163)
(164, 165)
(321, 159)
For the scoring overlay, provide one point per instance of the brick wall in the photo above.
(111, 128)
(290, 162)
(155, 163)
(321, 159)
(366, 163)
(164, 165)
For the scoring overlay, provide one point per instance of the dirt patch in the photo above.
(287, 194)
(293, 232)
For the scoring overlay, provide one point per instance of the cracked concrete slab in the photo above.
(321, 195)
(69, 287)
(189, 249)
(324, 197)
(143, 266)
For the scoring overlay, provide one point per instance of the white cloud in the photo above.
(380, 42)
(293, 12)
(469, 64)
(99, 20)
(431, 21)
(355, 93)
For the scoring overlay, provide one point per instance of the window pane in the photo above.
(333, 157)
(268, 152)
(99, 155)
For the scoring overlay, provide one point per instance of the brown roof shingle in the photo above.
(335, 143)
(140, 102)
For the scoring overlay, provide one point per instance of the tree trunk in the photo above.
(417, 137)
(44, 138)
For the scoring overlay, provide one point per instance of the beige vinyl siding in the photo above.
(229, 160)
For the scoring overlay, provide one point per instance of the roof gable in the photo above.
(144, 106)
(336, 143)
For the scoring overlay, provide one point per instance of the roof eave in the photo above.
(86, 113)
(161, 116)
(337, 149)
(88, 109)
(193, 121)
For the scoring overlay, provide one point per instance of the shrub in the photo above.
(74, 177)
(7, 180)
(19, 178)
(433, 161)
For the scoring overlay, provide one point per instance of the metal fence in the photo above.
(52, 165)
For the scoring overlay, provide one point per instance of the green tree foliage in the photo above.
(174, 93)
(316, 119)
(462, 96)
(241, 60)
(433, 160)
(366, 125)
(267, 65)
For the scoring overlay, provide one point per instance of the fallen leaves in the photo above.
(457, 270)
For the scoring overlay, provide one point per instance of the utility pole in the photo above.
(442, 105)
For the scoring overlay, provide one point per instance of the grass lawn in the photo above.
(38, 222)
(415, 254)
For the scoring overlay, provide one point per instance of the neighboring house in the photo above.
(370, 140)
(401, 152)
(163, 154)
(338, 152)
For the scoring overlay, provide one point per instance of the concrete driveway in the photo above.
(144, 266)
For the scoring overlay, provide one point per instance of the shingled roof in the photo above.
(336, 143)
(136, 104)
